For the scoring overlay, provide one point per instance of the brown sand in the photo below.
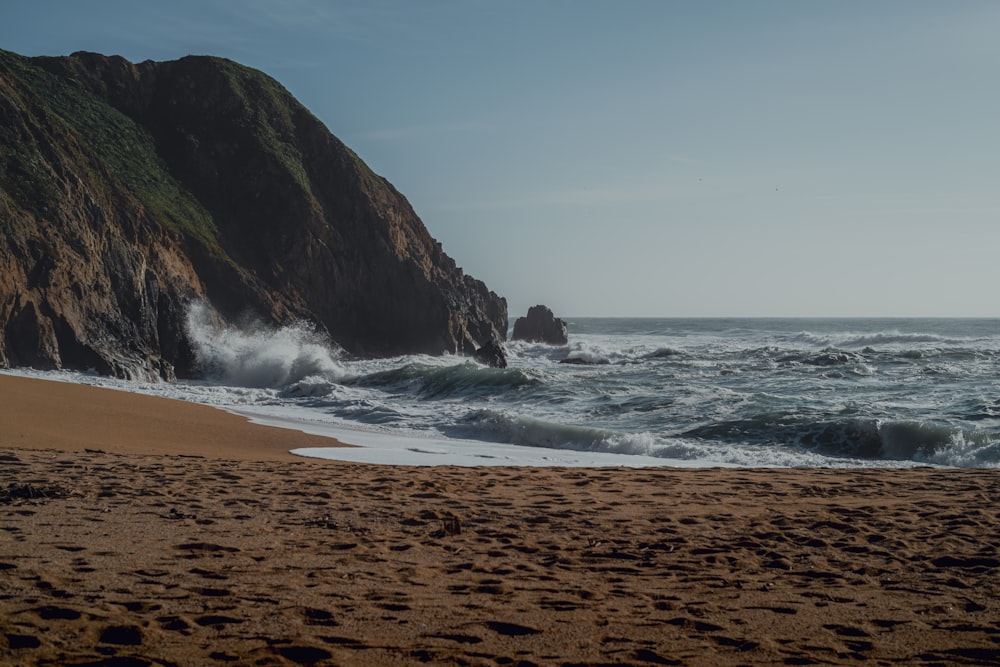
(60, 415)
(135, 558)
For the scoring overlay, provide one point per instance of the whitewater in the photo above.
(626, 392)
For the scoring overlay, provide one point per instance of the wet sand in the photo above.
(231, 551)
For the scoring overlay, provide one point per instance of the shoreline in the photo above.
(140, 553)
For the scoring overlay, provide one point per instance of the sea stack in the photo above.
(540, 325)
(492, 354)
(128, 191)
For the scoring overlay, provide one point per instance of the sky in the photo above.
(659, 158)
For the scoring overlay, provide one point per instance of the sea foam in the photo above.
(260, 356)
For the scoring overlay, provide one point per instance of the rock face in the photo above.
(129, 190)
(540, 326)
(492, 354)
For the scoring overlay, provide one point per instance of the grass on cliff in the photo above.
(24, 178)
(269, 106)
(126, 149)
(272, 110)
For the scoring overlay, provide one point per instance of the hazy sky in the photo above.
(626, 157)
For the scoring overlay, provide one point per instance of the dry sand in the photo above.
(245, 555)
(70, 417)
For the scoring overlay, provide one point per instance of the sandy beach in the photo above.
(145, 531)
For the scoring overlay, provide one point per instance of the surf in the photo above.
(259, 356)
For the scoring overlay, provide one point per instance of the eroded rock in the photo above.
(540, 325)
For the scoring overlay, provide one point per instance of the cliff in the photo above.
(129, 190)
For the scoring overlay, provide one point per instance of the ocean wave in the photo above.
(259, 356)
(865, 360)
(431, 381)
(583, 353)
(514, 429)
(372, 413)
(498, 426)
(811, 339)
(663, 353)
(895, 338)
(831, 356)
(311, 386)
(863, 438)
(589, 353)
(871, 339)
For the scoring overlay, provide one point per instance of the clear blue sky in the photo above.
(649, 158)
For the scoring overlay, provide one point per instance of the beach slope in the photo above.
(201, 549)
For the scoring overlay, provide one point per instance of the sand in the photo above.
(70, 417)
(236, 553)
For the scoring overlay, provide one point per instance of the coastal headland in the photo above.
(145, 531)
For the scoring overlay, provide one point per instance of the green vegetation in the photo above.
(105, 145)
(23, 175)
(124, 147)
(269, 108)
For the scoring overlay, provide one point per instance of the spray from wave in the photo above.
(260, 356)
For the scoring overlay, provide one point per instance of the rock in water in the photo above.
(540, 326)
(492, 354)
(129, 190)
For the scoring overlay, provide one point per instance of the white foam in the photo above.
(421, 449)
(259, 356)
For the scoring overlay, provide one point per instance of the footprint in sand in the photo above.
(174, 624)
(205, 546)
(318, 617)
(122, 635)
(16, 641)
(304, 655)
(216, 620)
(511, 629)
(50, 613)
(208, 574)
(461, 639)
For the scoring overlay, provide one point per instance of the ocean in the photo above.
(630, 392)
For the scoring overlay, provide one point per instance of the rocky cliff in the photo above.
(129, 190)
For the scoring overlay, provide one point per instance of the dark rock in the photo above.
(128, 191)
(540, 326)
(492, 354)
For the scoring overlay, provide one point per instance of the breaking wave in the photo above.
(462, 380)
(259, 356)
(865, 439)
(498, 426)
(859, 440)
